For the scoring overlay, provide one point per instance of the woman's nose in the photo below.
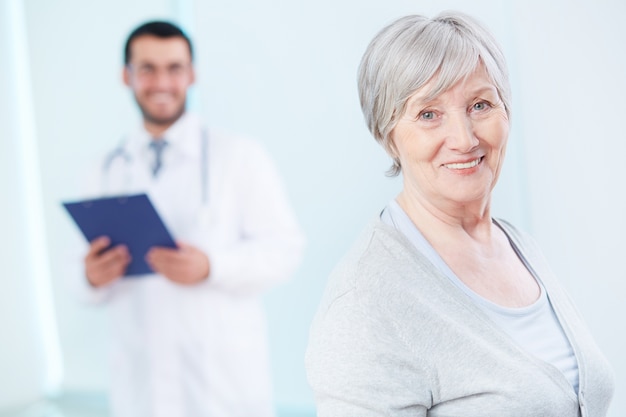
(460, 133)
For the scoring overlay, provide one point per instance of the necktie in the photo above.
(157, 145)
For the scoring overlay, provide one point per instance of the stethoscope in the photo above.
(121, 152)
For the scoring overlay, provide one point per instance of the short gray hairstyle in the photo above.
(409, 52)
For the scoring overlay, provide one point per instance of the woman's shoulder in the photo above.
(530, 252)
(520, 239)
(380, 262)
(361, 287)
(376, 245)
(511, 230)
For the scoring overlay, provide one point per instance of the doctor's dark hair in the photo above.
(158, 28)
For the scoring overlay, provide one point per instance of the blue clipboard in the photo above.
(131, 220)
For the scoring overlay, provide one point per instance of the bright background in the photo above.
(285, 72)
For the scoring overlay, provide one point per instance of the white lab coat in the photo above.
(200, 351)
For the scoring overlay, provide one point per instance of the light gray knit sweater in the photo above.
(394, 337)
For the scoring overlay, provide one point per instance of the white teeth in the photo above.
(465, 165)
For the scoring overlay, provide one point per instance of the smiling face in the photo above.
(451, 148)
(159, 74)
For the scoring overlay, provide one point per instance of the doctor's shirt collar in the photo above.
(183, 136)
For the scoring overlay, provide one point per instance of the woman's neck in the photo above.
(448, 221)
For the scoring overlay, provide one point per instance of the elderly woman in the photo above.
(440, 309)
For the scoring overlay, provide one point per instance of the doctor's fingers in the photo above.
(117, 255)
(183, 267)
(98, 245)
(185, 261)
(108, 266)
(158, 251)
(181, 250)
(165, 263)
(103, 255)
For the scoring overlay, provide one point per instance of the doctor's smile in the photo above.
(161, 98)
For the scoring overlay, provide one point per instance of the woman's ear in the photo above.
(391, 148)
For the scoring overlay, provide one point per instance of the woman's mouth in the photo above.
(464, 165)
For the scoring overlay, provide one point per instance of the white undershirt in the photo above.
(535, 328)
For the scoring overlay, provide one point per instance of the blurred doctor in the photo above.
(190, 339)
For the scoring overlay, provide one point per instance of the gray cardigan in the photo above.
(394, 337)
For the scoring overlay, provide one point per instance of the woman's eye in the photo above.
(427, 115)
(480, 106)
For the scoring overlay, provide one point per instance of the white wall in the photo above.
(26, 366)
(285, 71)
(572, 103)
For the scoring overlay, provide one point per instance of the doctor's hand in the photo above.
(102, 265)
(186, 265)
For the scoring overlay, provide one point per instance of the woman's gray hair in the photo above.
(408, 53)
